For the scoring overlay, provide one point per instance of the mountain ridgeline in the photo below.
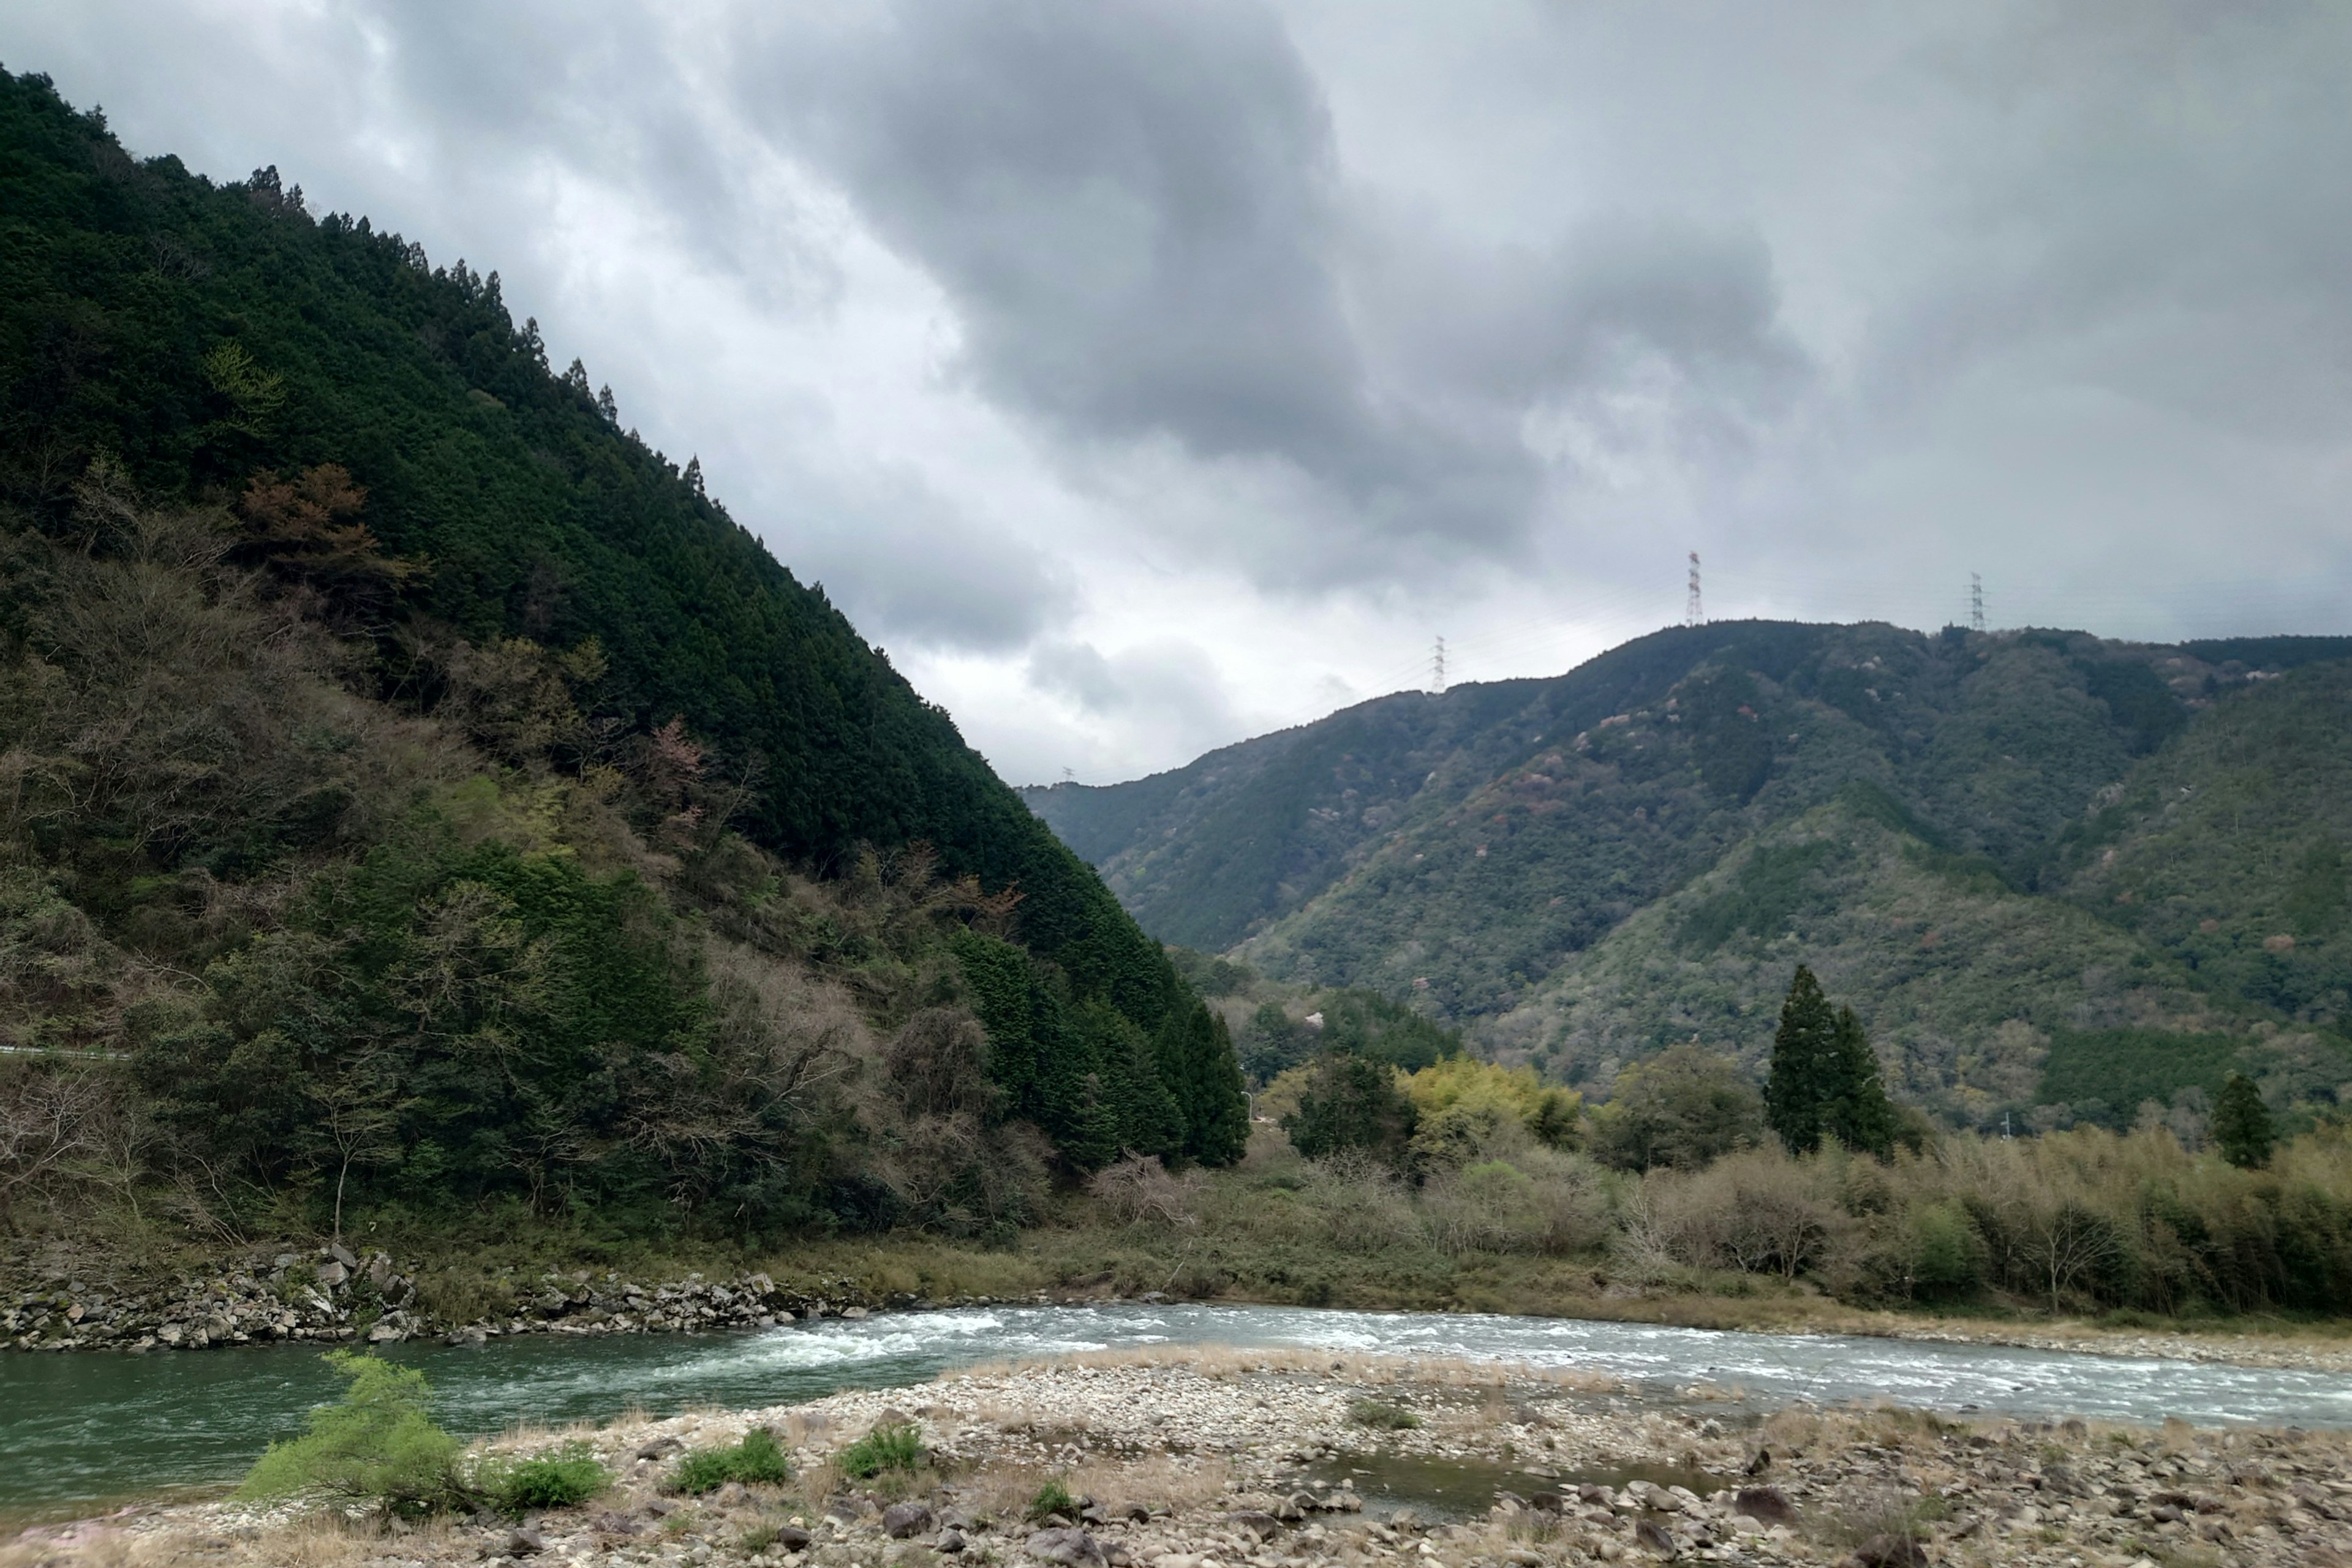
(435, 796)
(2058, 878)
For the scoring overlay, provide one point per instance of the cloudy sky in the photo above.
(1147, 374)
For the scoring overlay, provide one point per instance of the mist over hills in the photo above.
(2049, 869)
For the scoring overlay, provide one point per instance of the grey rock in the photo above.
(1649, 1534)
(660, 1448)
(1765, 1505)
(525, 1542)
(792, 1538)
(1071, 1548)
(342, 1255)
(901, 1519)
(950, 1543)
(332, 1273)
(1890, 1551)
(1264, 1526)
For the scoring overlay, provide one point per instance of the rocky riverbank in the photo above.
(335, 1295)
(1244, 1459)
(331, 1294)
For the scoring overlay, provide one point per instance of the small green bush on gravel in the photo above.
(1382, 1415)
(1053, 1497)
(564, 1479)
(884, 1448)
(755, 1459)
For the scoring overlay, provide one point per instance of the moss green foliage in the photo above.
(2242, 1129)
(1684, 1107)
(757, 1459)
(564, 1479)
(1276, 1037)
(1053, 1497)
(2120, 1068)
(1350, 1102)
(487, 821)
(895, 1448)
(1382, 1415)
(377, 1444)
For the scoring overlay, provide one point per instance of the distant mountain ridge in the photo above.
(1584, 868)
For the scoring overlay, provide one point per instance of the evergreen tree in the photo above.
(1352, 1103)
(1149, 1119)
(1197, 1061)
(1857, 1112)
(1797, 1092)
(2241, 1125)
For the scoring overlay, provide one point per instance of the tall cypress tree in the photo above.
(1196, 1059)
(1802, 1051)
(2241, 1123)
(1858, 1111)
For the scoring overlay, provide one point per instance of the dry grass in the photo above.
(314, 1541)
(1002, 1489)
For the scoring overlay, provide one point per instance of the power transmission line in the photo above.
(1437, 668)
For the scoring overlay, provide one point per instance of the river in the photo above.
(81, 1428)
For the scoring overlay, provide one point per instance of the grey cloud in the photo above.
(1571, 323)
(1130, 204)
(1138, 214)
(909, 571)
(1173, 683)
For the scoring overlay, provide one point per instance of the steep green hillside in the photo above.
(198, 335)
(1582, 870)
(416, 797)
(1962, 980)
(2230, 851)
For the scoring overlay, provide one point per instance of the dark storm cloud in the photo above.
(1139, 215)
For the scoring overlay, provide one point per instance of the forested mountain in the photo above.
(435, 796)
(2048, 870)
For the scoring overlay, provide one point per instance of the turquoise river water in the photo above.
(79, 1428)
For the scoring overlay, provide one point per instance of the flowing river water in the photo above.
(78, 1428)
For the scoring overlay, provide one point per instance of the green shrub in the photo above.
(884, 1448)
(1382, 1415)
(377, 1444)
(1948, 1256)
(565, 1479)
(755, 1459)
(1053, 1497)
